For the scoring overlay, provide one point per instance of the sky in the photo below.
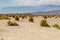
(4, 3)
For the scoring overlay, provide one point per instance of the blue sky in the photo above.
(4, 3)
(32, 3)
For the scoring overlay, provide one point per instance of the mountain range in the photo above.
(32, 9)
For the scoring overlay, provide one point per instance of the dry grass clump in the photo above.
(17, 18)
(56, 26)
(10, 23)
(5, 17)
(31, 19)
(44, 23)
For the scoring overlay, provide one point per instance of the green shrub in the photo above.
(44, 23)
(31, 19)
(16, 18)
(10, 23)
(56, 26)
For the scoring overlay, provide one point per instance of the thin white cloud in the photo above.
(50, 1)
(33, 2)
(26, 2)
(29, 2)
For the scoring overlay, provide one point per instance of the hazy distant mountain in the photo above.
(18, 9)
(32, 9)
(48, 12)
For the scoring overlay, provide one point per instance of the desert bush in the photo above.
(44, 23)
(19, 15)
(22, 17)
(56, 26)
(31, 19)
(16, 18)
(9, 15)
(45, 17)
(13, 16)
(52, 15)
(10, 23)
(49, 16)
(56, 17)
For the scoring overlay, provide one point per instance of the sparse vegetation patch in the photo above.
(31, 19)
(56, 26)
(10, 23)
(17, 18)
(5, 17)
(44, 23)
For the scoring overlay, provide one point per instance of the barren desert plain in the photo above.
(29, 27)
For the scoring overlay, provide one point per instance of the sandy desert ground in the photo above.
(30, 30)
